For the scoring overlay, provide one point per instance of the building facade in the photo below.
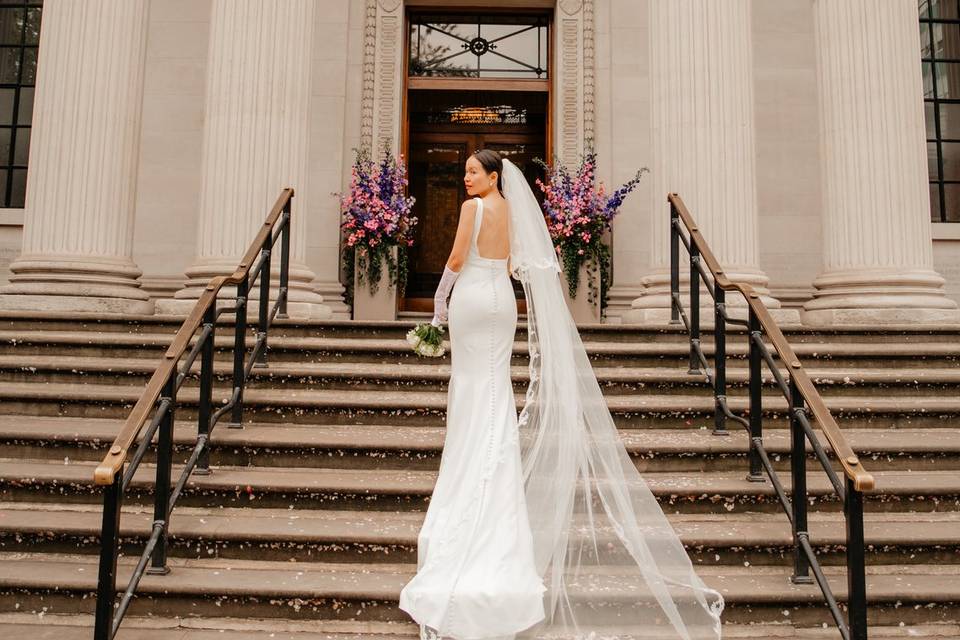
(811, 139)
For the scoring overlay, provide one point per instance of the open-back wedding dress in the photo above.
(540, 526)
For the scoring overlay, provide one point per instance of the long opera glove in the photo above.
(443, 292)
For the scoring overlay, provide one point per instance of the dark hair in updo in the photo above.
(491, 161)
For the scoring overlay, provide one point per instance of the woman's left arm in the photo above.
(461, 243)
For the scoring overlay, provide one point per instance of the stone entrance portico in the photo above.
(795, 136)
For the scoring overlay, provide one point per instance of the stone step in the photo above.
(106, 323)
(409, 489)
(945, 354)
(357, 376)
(26, 626)
(644, 410)
(391, 446)
(102, 322)
(41, 626)
(319, 535)
(368, 592)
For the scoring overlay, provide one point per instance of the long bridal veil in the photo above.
(612, 563)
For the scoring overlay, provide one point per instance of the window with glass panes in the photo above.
(940, 55)
(490, 45)
(19, 39)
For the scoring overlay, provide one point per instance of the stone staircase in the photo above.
(306, 528)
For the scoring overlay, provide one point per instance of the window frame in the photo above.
(9, 165)
(937, 182)
(414, 16)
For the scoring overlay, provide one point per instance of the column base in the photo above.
(871, 297)
(838, 317)
(659, 317)
(75, 285)
(295, 310)
(619, 299)
(304, 303)
(332, 292)
(653, 306)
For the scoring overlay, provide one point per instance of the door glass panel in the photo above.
(436, 181)
(478, 111)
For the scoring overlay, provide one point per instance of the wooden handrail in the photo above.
(861, 479)
(117, 455)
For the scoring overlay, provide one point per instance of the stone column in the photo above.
(701, 104)
(78, 227)
(255, 141)
(878, 253)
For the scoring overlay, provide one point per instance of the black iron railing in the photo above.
(805, 407)
(197, 332)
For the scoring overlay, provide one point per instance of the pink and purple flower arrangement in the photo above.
(578, 211)
(376, 216)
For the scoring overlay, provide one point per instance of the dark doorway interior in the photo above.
(445, 127)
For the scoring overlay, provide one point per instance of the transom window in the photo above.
(940, 55)
(475, 46)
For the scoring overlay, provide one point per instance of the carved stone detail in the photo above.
(369, 73)
(575, 83)
(389, 5)
(570, 7)
(569, 89)
(589, 71)
(388, 107)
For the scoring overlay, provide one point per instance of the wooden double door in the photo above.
(436, 169)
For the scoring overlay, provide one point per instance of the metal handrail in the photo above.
(802, 397)
(160, 399)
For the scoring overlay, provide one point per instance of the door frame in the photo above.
(473, 84)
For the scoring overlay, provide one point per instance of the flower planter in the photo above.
(381, 305)
(582, 310)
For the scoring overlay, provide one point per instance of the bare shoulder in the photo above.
(468, 211)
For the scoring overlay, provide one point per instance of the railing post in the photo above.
(239, 347)
(798, 470)
(206, 390)
(694, 307)
(856, 564)
(674, 265)
(264, 317)
(109, 539)
(720, 361)
(756, 398)
(161, 499)
(285, 261)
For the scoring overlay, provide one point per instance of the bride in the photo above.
(539, 526)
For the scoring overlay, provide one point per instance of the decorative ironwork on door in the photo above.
(488, 46)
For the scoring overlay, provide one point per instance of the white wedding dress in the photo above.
(540, 525)
(476, 576)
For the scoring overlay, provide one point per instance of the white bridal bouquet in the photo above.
(426, 339)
